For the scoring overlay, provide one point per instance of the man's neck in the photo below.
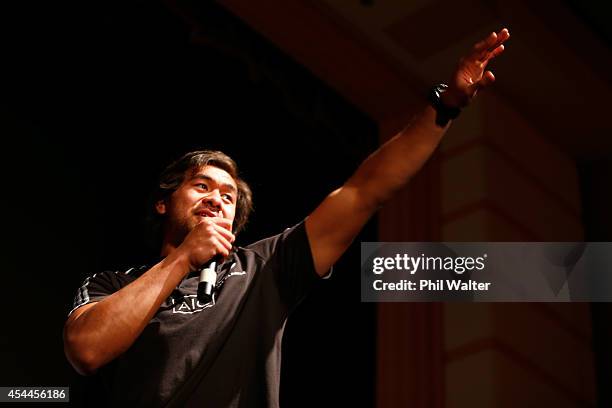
(167, 248)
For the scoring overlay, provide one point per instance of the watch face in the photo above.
(435, 95)
(444, 113)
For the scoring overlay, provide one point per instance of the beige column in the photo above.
(494, 178)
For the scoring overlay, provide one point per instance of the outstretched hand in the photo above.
(470, 75)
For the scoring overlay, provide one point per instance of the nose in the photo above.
(213, 199)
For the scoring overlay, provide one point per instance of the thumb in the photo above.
(487, 79)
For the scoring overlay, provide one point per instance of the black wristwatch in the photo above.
(445, 113)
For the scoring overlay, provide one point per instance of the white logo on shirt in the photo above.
(190, 303)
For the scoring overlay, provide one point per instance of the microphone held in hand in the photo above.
(208, 279)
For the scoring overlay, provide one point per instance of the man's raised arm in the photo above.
(338, 219)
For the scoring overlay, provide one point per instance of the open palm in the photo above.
(470, 75)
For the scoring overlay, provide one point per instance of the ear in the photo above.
(160, 207)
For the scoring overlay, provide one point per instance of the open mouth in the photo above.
(207, 213)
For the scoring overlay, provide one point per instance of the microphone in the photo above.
(208, 279)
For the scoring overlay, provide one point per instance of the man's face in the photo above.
(209, 192)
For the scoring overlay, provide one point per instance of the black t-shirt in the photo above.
(225, 353)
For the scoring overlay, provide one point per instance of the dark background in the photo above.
(97, 98)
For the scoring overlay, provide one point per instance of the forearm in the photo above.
(338, 219)
(109, 327)
(391, 166)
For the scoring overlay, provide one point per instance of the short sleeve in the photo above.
(288, 255)
(95, 288)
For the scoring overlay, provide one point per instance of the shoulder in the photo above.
(121, 275)
(101, 284)
(264, 248)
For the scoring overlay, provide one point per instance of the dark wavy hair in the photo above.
(174, 175)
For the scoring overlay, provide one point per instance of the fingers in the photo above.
(491, 46)
(224, 227)
(493, 40)
(486, 43)
(222, 245)
(496, 52)
(222, 222)
(487, 79)
(222, 237)
(224, 232)
(215, 231)
(503, 35)
(217, 239)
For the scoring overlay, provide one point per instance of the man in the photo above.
(156, 344)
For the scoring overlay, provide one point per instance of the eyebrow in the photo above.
(208, 178)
